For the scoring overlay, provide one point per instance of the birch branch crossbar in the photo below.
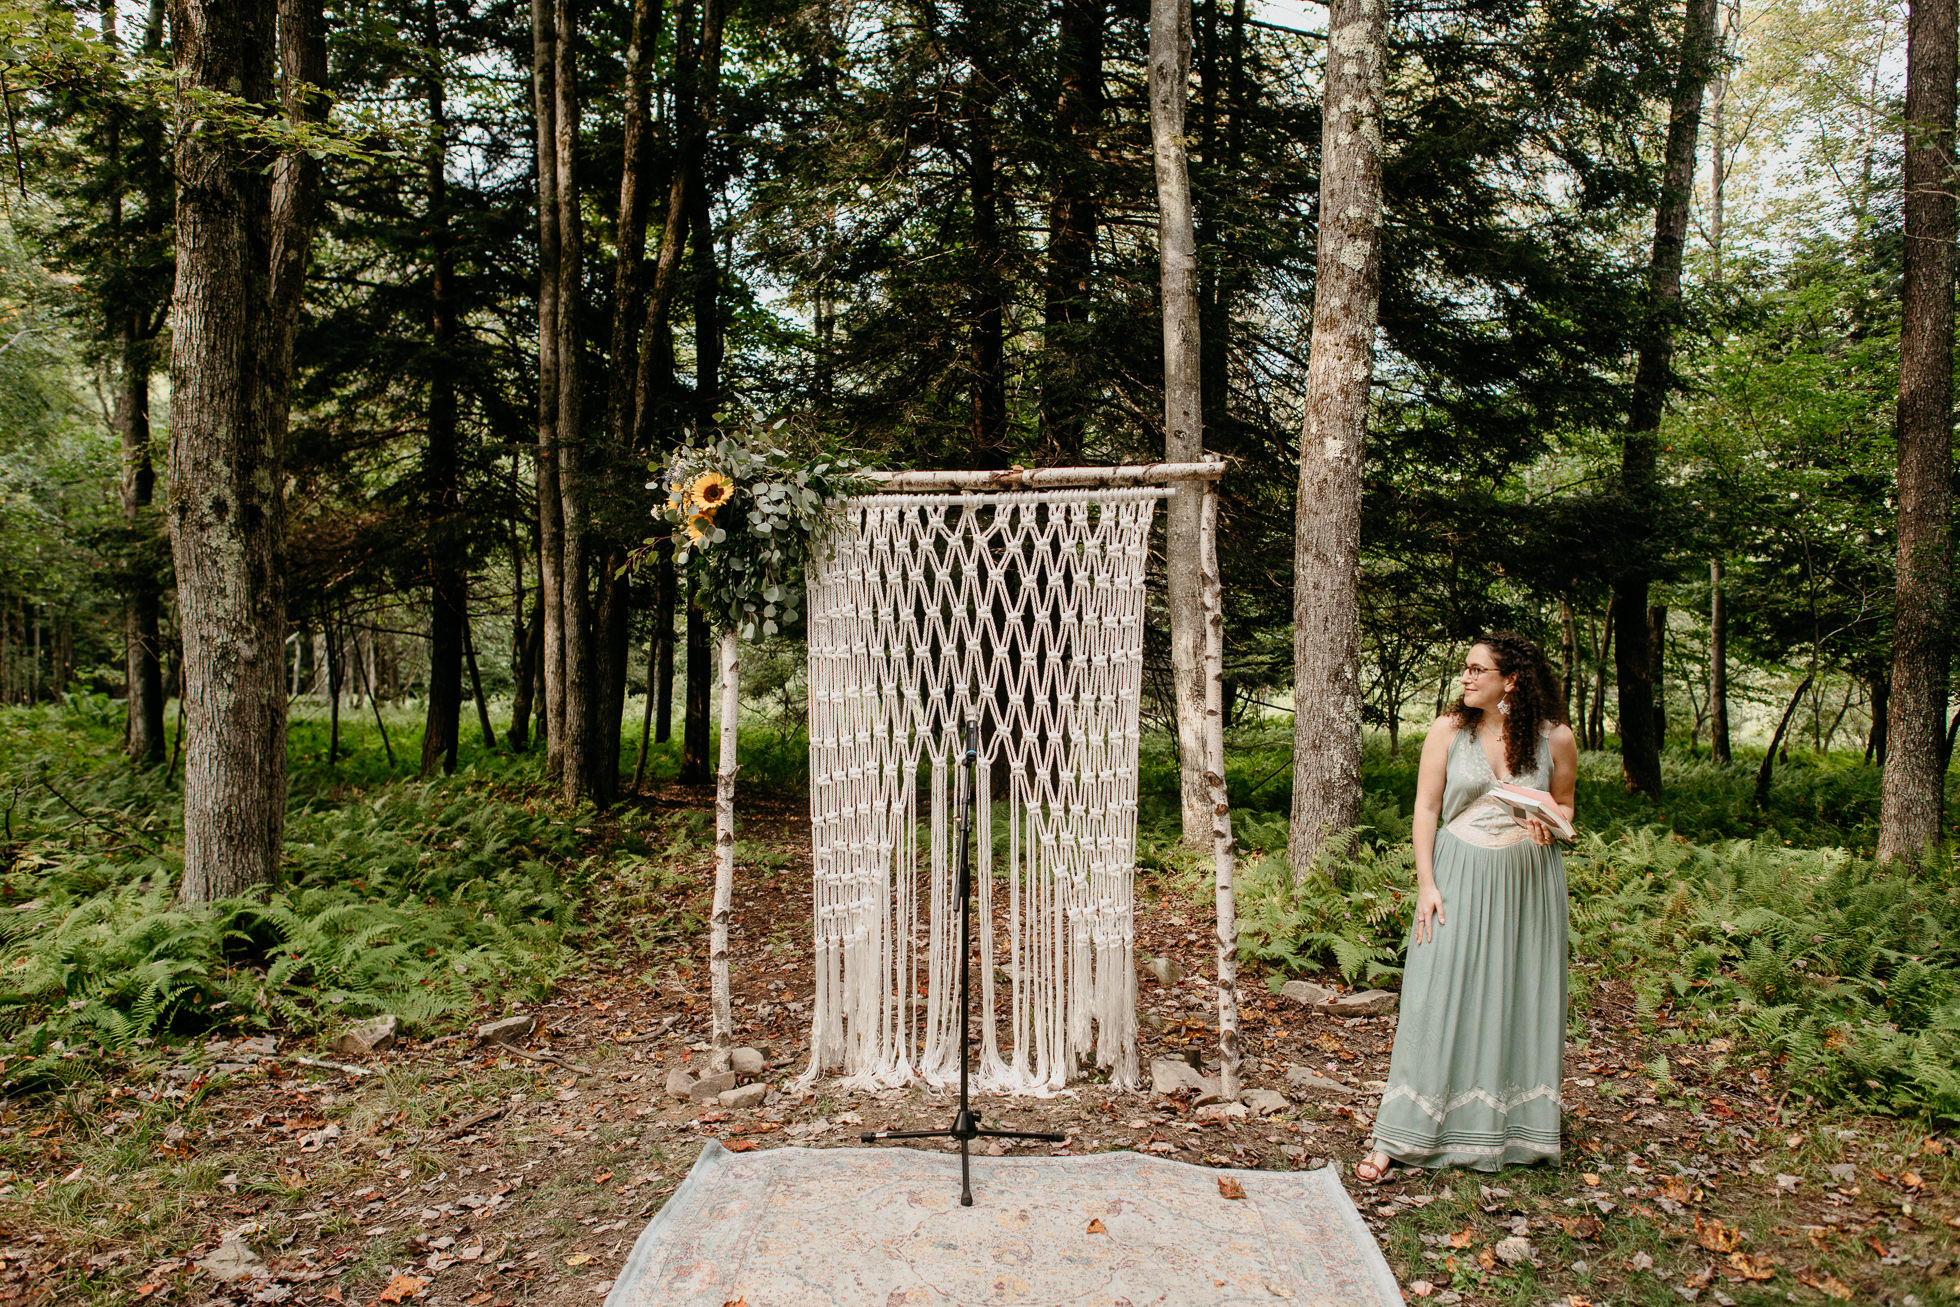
(1015, 598)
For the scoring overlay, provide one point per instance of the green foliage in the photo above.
(749, 512)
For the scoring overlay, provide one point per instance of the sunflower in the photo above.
(698, 527)
(708, 492)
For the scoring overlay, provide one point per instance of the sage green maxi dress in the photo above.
(1479, 1051)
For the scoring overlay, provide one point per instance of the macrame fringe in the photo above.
(1024, 610)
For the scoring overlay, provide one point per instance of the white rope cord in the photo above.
(1023, 610)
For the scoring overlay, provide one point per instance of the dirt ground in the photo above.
(452, 1173)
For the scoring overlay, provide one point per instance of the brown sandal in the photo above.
(1372, 1173)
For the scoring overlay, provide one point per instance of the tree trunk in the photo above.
(333, 694)
(1073, 217)
(1184, 437)
(1657, 663)
(524, 675)
(665, 587)
(476, 687)
(1718, 664)
(646, 712)
(986, 300)
(551, 525)
(448, 582)
(582, 696)
(1568, 649)
(143, 600)
(1765, 772)
(244, 229)
(1340, 371)
(1914, 804)
(723, 1036)
(1875, 747)
(1640, 747)
(1596, 724)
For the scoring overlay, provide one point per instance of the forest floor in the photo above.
(459, 1174)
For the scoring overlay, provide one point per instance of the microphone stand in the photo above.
(966, 1123)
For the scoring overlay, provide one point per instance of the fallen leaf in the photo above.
(146, 1290)
(739, 1145)
(1421, 1289)
(1700, 1279)
(1910, 1180)
(602, 1177)
(1829, 1285)
(1464, 1238)
(403, 1287)
(579, 1259)
(1580, 1227)
(332, 1294)
(1716, 1237)
(1759, 1267)
(736, 1302)
(1678, 1190)
(1487, 1259)
(1230, 1188)
(1096, 1226)
(1590, 1178)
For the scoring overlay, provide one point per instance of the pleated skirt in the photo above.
(1479, 1050)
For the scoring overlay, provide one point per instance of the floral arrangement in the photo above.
(744, 515)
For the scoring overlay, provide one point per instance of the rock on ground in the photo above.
(1170, 1075)
(679, 1081)
(1306, 1078)
(1265, 1101)
(1167, 971)
(747, 1062)
(711, 1087)
(507, 1031)
(744, 1096)
(369, 1037)
(1304, 991)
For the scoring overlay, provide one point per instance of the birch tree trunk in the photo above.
(1184, 437)
(1340, 372)
(1718, 665)
(1640, 746)
(1218, 804)
(244, 231)
(1913, 806)
(724, 1016)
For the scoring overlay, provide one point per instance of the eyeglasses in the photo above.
(1472, 669)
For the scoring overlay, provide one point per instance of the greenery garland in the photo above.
(745, 515)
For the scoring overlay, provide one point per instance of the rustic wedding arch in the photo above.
(1014, 598)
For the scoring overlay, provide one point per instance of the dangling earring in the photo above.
(1504, 707)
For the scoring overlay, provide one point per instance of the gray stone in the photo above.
(679, 1081)
(1304, 991)
(233, 1259)
(1171, 1075)
(1513, 1250)
(747, 1062)
(1167, 971)
(1306, 1078)
(369, 1037)
(507, 1031)
(1210, 1093)
(711, 1087)
(744, 1096)
(1368, 1003)
(1265, 1101)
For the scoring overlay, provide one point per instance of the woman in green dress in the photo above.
(1479, 1050)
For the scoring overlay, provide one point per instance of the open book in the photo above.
(1524, 803)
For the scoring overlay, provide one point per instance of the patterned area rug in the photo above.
(863, 1227)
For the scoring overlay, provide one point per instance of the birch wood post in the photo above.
(724, 1019)
(1224, 859)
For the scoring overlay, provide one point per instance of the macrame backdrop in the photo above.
(1025, 611)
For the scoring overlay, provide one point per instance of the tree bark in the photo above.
(244, 229)
(665, 587)
(1224, 859)
(1184, 437)
(448, 582)
(1875, 748)
(1568, 628)
(582, 698)
(551, 525)
(1767, 771)
(1657, 664)
(143, 600)
(1912, 810)
(1340, 372)
(723, 1036)
(476, 688)
(525, 674)
(1718, 664)
(1640, 748)
(1596, 724)
(1073, 217)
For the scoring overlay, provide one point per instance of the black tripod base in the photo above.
(965, 1128)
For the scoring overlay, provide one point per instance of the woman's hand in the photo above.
(1429, 902)
(1540, 833)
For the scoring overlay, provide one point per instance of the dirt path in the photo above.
(457, 1174)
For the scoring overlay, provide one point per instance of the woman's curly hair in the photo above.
(1535, 702)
